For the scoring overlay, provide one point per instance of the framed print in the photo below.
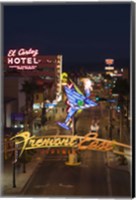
(67, 100)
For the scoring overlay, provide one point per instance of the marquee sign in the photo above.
(88, 142)
(23, 59)
(109, 61)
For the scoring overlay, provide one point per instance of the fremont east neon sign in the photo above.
(88, 142)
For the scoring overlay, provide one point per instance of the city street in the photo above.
(92, 178)
(101, 113)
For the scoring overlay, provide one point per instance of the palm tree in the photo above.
(29, 88)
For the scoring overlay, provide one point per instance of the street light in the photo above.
(110, 116)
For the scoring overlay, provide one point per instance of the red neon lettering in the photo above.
(36, 61)
(23, 67)
(10, 60)
(29, 61)
(26, 67)
(11, 53)
(24, 52)
(17, 60)
(23, 59)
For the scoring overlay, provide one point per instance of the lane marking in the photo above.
(41, 186)
(66, 186)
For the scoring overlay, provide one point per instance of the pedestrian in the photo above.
(93, 127)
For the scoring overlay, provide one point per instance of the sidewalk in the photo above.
(112, 161)
(21, 178)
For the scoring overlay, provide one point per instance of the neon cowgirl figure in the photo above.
(76, 101)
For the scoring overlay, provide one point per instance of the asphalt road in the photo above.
(91, 179)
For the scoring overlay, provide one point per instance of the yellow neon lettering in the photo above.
(93, 145)
(105, 146)
(46, 142)
(73, 141)
(90, 141)
(32, 142)
(39, 142)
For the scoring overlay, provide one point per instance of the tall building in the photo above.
(109, 68)
(47, 68)
(21, 65)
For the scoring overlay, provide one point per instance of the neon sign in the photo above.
(88, 142)
(109, 61)
(87, 86)
(76, 101)
(64, 78)
(23, 59)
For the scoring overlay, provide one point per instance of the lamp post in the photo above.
(14, 165)
(110, 116)
(14, 175)
(24, 162)
(73, 125)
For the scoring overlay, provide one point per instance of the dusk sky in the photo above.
(84, 34)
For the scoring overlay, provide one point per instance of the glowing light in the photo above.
(88, 142)
(64, 78)
(23, 59)
(36, 106)
(23, 67)
(87, 86)
(87, 83)
(119, 75)
(109, 68)
(50, 105)
(76, 101)
(109, 61)
(80, 103)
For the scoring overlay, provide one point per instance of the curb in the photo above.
(19, 188)
(23, 190)
(117, 168)
(111, 162)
